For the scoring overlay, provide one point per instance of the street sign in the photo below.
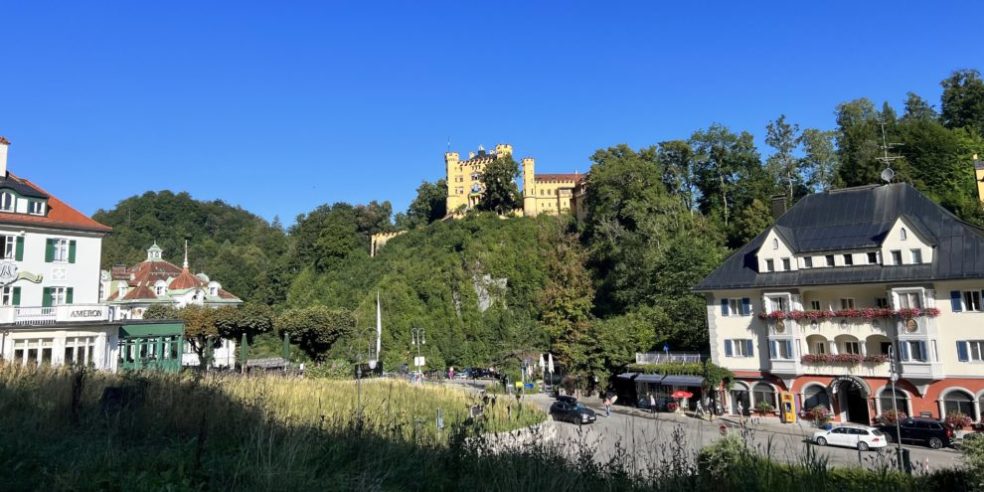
(418, 361)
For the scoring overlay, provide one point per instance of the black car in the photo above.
(929, 432)
(661, 402)
(570, 410)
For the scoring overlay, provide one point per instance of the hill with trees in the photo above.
(488, 290)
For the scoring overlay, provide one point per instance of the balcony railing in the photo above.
(663, 357)
(49, 315)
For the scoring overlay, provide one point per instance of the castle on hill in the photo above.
(551, 194)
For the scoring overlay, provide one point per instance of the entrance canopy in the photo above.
(649, 378)
(683, 380)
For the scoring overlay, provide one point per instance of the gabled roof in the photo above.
(852, 219)
(140, 292)
(185, 280)
(59, 214)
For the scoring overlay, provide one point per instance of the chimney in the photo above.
(4, 145)
(778, 206)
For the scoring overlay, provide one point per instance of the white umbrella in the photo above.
(542, 363)
(550, 367)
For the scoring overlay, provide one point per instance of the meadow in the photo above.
(60, 429)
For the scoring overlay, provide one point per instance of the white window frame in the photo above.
(808, 262)
(60, 250)
(770, 265)
(975, 352)
(59, 295)
(784, 300)
(848, 259)
(852, 347)
(7, 295)
(903, 234)
(901, 294)
(967, 305)
(896, 255)
(787, 264)
(915, 255)
(738, 347)
(868, 256)
(847, 303)
(35, 207)
(8, 248)
(8, 201)
(820, 348)
(815, 306)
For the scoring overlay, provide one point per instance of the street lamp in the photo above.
(417, 339)
(893, 377)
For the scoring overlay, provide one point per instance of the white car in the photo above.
(861, 437)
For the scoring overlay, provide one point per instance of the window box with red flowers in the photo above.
(860, 314)
(850, 359)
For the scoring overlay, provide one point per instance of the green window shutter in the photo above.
(71, 251)
(46, 300)
(15, 296)
(68, 295)
(19, 249)
(49, 250)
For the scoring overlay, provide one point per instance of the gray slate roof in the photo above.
(853, 219)
(22, 188)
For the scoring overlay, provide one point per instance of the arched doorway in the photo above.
(852, 399)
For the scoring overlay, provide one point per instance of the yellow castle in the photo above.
(542, 193)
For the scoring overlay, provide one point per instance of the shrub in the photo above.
(890, 417)
(764, 408)
(819, 415)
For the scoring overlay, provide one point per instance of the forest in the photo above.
(491, 291)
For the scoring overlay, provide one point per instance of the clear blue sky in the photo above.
(281, 106)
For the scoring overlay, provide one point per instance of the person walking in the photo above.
(652, 403)
(608, 407)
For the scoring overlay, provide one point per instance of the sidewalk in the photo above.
(799, 429)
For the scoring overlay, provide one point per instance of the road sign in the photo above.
(418, 361)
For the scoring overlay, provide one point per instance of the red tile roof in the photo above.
(185, 280)
(141, 292)
(59, 214)
(558, 178)
(224, 294)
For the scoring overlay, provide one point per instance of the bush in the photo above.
(819, 415)
(764, 408)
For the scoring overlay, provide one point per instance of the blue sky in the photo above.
(282, 106)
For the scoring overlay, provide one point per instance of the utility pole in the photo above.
(893, 377)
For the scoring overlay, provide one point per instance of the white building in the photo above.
(155, 281)
(49, 289)
(818, 305)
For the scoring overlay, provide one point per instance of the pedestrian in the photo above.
(652, 403)
(608, 407)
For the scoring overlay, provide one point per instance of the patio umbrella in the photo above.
(681, 394)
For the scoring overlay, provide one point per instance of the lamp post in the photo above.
(417, 339)
(893, 377)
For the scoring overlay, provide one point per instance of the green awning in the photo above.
(151, 329)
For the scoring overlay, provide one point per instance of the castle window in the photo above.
(7, 202)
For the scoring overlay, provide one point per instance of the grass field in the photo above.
(179, 432)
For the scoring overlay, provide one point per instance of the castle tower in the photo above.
(454, 177)
(529, 187)
(502, 150)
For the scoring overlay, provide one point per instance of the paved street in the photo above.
(649, 439)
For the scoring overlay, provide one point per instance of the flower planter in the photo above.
(860, 314)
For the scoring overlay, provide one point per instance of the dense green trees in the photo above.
(498, 292)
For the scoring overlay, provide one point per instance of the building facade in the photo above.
(155, 281)
(846, 289)
(49, 283)
(541, 193)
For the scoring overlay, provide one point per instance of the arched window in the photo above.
(817, 344)
(903, 234)
(814, 396)
(6, 201)
(764, 392)
(775, 243)
(901, 399)
(959, 401)
(847, 344)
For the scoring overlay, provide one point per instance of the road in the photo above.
(646, 439)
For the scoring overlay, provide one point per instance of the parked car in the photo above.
(929, 432)
(568, 409)
(661, 402)
(861, 437)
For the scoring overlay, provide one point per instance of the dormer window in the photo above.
(808, 262)
(35, 207)
(872, 258)
(785, 264)
(7, 202)
(903, 234)
(916, 256)
(770, 265)
(848, 260)
(830, 260)
(213, 291)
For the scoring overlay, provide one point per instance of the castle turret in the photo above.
(529, 187)
(502, 150)
(452, 165)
